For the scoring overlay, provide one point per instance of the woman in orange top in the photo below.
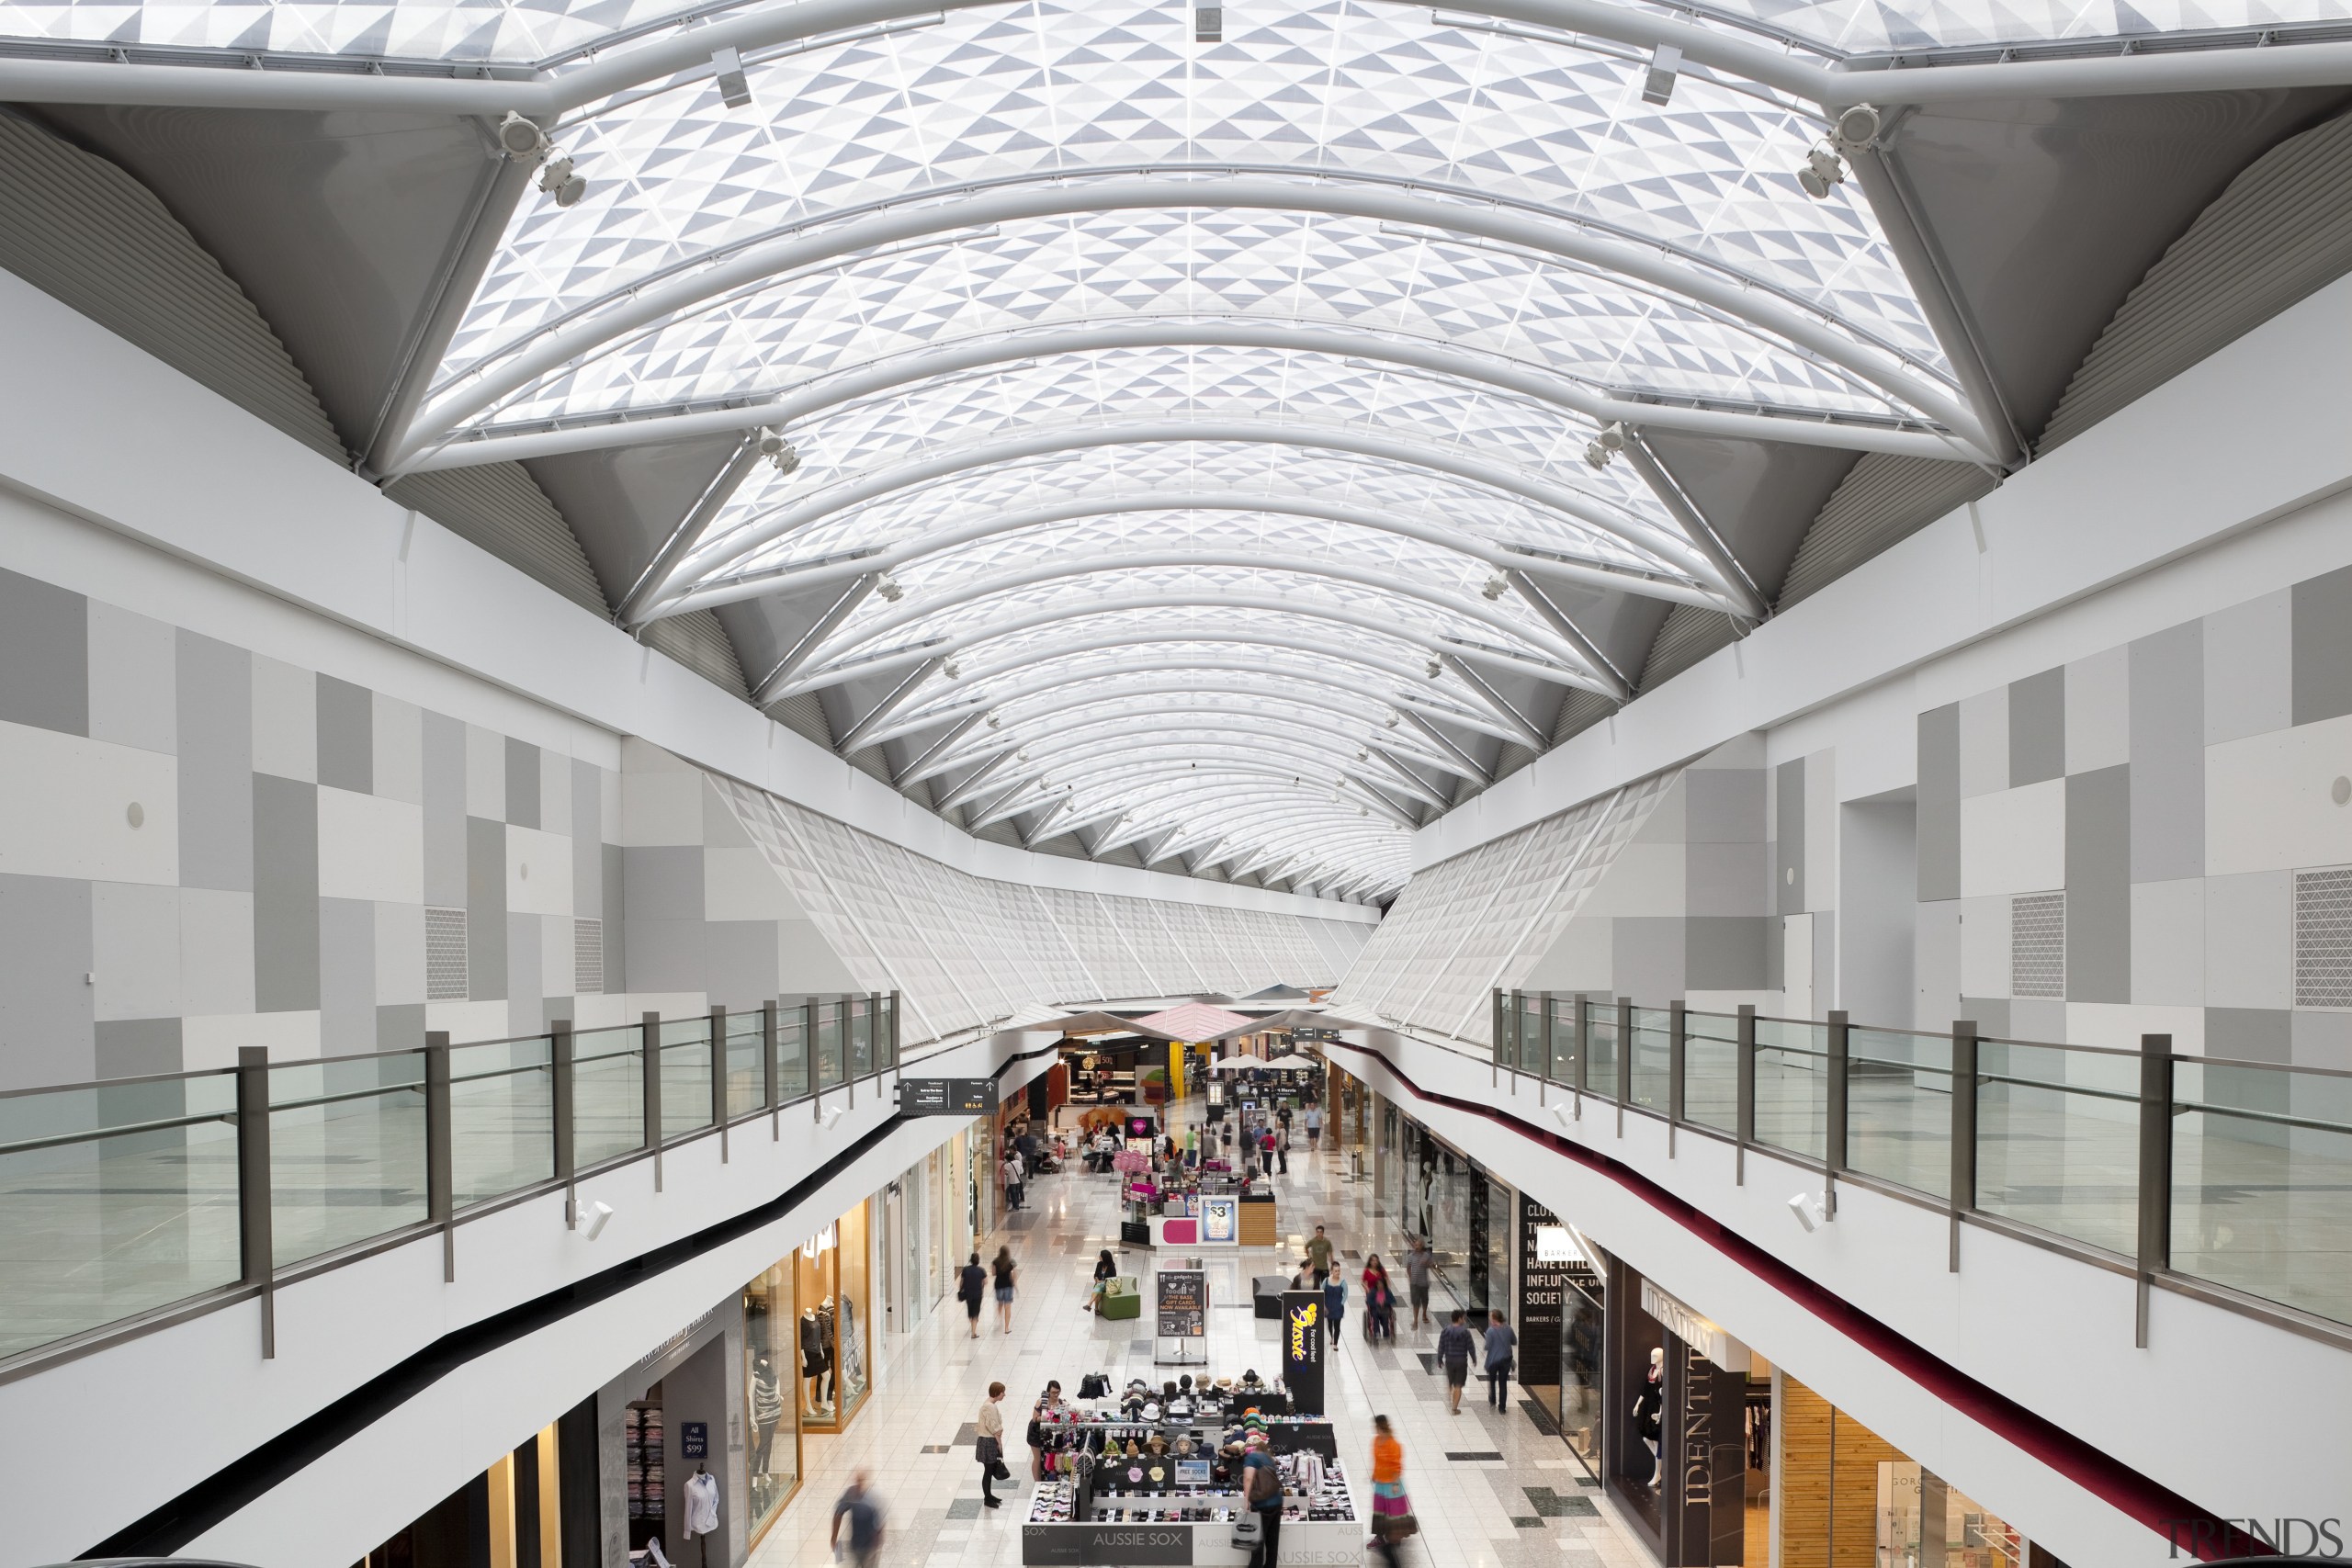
(1392, 1511)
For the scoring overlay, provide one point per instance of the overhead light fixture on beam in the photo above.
(526, 142)
(1825, 166)
(726, 72)
(780, 454)
(891, 589)
(1666, 61)
(1605, 446)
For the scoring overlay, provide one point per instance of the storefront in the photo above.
(534, 1508)
(1678, 1424)
(1559, 1318)
(833, 1287)
(771, 1411)
(1850, 1499)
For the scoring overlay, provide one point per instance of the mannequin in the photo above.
(816, 1356)
(767, 1409)
(702, 1506)
(1647, 1405)
(825, 1327)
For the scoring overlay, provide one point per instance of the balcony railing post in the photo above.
(812, 1052)
(1744, 1109)
(440, 1167)
(1833, 1137)
(1543, 1044)
(1677, 1058)
(852, 1009)
(564, 1116)
(896, 1040)
(718, 1106)
(2156, 1172)
(1518, 1037)
(1964, 1129)
(1624, 1085)
(1495, 1033)
(770, 1070)
(650, 1023)
(1580, 1074)
(254, 1241)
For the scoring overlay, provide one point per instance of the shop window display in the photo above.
(770, 1354)
(831, 1282)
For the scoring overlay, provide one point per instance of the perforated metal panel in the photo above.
(2038, 946)
(2323, 938)
(587, 957)
(444, 955)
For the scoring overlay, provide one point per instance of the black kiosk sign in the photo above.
(947, 1097)
(1302, 1341)
(1543, 1271)
(1184, 1303)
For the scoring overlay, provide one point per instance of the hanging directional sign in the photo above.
(947, 1097)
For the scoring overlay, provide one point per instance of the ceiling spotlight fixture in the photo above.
(1362, 755)
(996, 721)
(557, 179)
(1825, 165)
(891, 589)
(727, 71)
(1433, 668)
(953, 668)
(1607, 444)
(1809, 1210)
(520, 137)
(1495, 587)
(778, 449)
(1390, 722)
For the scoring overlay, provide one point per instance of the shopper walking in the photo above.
(1392, 1511)
(865, 1516)
(1004, 1269)
(1105, 1271)
(1314, 1127)
(1417, 1258)
(1318, 1253)
(1500, 1342)
(1455, 1344)
(1379, 1302)
(1261, 1488)
(989, 1447)
(1335, 1305)
(971, 1286)
(1013, 1174)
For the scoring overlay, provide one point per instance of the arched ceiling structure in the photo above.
(1219, 429)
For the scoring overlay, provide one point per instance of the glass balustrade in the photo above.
(2058, 1140)
(1711, 1070)
(1898, 1107)
(2262, 1181)
(346, 1152)
(608, 1094)
(747, 1070)
(502, 1118)
(1792, 1085)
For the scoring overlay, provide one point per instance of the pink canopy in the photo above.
(1194, 1021)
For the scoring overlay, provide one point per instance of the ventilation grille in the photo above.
(1881, 501)
(587, 957)
(1689, 634)
(2280, 232)
(697, 641)
(2323, 938)
(2038, 946)
(1579, 711)
(501, 508)
(444, 955)
(82, 231)
(805, 716)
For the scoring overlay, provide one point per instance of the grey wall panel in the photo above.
(1724, 952)
(2250, 668)
(2168, 754)
(44, 656)
(1938, 802)
(663, 881)
(2249, 1035)
(617, 972)
(1934, 965)
(1991, 1014)
(399, 1026)
(398, 749)
(739, 963)
(134, 680)
(46, 1035)
(2323, 647)
(1877, 865)
(522, 784)
(586, 828)
(286, 895)
(1725, 879)
(346, 736)
(347, 976)
(445, 812)
(1788, 855)
(1647, 958)
(2250, 940)
(129, 1047)
(2322, 1040)
(526, 980)
(486, 909)
(663, 955)
(215, 716)
(2098, 886)
(1723, 805)
(2037, 727)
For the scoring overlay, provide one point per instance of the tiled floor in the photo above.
(1523, 1500)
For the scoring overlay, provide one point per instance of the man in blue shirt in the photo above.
(1261, 1484)
(1454, 1343)
(1500, 1342)
(864, 1518)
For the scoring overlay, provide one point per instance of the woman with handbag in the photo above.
(1105, 1271)
(989, 1449)
(1392, 1511)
